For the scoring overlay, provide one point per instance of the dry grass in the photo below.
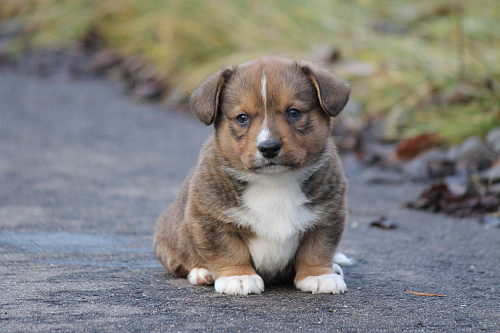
(433, 66)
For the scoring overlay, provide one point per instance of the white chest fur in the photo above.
(274, 208)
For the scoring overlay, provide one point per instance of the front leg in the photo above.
(316, 272)
(227, 258)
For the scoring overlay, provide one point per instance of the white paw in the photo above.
(239, 285)
(338, 270)
(342, 259)
(326, 284)
(200, 276)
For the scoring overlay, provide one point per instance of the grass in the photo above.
(433, 66)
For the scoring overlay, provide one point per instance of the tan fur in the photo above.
(196, 231)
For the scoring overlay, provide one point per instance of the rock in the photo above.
(474, 155)
(416, 169)
(440, 168)
(427, 165)
(493, 140)
(458, 184)
(384, 223)
(452, 153)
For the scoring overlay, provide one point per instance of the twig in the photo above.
(425, 294)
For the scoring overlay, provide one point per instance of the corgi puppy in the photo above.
(266, 201)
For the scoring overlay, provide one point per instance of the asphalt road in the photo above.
(84, 173)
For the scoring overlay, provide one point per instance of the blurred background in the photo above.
(427, 69)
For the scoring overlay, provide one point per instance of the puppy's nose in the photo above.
(269, 148)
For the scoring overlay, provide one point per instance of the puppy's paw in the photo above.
(200, 276)
(342, 260)
(326, 284)
(239, 285)
(338, 270)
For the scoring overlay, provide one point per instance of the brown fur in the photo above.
(195, 231)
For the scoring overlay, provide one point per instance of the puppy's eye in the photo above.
(242, 119)
(293, 114)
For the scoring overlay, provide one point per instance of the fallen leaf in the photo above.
(384, 223)
(453, 198)
(409, 148)
(425, 294)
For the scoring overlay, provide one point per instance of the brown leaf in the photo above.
(454, 199)
(409, 148)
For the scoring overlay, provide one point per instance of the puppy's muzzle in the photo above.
(269, 148)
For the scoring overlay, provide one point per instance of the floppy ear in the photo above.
(333, 92)
(204, 100)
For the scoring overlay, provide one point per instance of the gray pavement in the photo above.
(84, 173)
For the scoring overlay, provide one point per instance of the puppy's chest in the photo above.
(274, 208)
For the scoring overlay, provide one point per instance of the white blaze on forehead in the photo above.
(264, 131)
(263, 82)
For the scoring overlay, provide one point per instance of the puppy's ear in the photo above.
(205, 99)
(333, 92)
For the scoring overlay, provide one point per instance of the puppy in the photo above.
(266, 201)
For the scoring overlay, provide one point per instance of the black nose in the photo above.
(269, 148)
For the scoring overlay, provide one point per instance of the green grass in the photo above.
(427, 51)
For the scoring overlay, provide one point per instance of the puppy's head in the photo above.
(270, 114)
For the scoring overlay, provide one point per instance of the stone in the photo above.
(419, 167)
(474, 154)
(493, 140)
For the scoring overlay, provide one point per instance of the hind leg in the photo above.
(172, 245)
(169, 259)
